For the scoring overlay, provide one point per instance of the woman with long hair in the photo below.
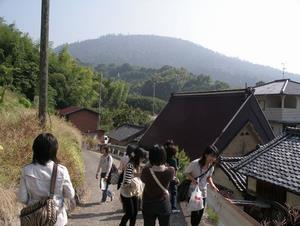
(36, 177)
(202, 166)
(130, 198)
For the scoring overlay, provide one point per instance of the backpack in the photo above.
(114, 174)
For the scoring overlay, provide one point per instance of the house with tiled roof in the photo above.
(280, 102)
(273, 170)
(86, 120)
(231, 120)
(126, 134)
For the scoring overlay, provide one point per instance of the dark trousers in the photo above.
(149, 220)
(173, 194)
(160, 210)
(197, 215)
(130, 206)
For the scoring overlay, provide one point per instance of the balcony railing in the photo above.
(282, 114)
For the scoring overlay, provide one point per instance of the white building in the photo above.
(280, 102)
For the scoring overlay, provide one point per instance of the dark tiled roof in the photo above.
(227, 165)
(195, 120)
(277, 162)
(126, 131)
(283, 86)
(72, 109)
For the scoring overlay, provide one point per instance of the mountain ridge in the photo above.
(154, 51)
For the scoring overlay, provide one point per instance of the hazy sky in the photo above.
(261, 31)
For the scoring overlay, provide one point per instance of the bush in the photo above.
(184, 160)
(25, 102)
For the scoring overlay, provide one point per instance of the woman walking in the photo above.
(104, 166)
(202, 167)
(131, 187)
(36, 177)
(171, 150)
(157, 177)
(123, 162)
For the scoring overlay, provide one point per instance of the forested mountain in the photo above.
(156, 51)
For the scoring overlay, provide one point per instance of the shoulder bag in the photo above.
(43, 212)
(158, 182)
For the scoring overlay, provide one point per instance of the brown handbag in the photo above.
(43, 212)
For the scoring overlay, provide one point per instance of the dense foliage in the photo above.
(159, 82)
(125, 93)
(70, 83)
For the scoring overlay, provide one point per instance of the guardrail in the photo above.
(117, 151)
(229, 214)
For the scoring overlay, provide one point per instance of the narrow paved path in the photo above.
(91, 213)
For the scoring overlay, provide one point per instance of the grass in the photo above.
(212, 216)
(19, 126)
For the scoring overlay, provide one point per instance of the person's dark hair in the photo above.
(157, 155)
(171, 151)
(210, 150)
(105, 148)
(169, 143)
(130, 148)
(44, 148)
(136, 156)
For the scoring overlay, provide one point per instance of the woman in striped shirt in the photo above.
(128, 196)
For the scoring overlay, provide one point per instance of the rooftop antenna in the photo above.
(283, 69)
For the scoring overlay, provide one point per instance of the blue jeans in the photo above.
(105, 193)
(173, 195)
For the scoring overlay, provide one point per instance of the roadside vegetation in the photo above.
(19, 126)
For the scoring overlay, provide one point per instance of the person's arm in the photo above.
(188, 173)
(98, 169)
(143, 174)
(68, 190)
(212, 184)
(128, 174)
(23, 193)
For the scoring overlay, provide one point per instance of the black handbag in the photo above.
(43, 212)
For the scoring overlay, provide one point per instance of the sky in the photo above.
(260, 31)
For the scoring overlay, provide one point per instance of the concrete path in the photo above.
(91, 213)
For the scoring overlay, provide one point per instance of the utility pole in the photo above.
(153, 97)
(283, 68)
(43, 94)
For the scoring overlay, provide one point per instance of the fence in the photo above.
(117, 151)
(229, 214)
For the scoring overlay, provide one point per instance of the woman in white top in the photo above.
(202, 167)
(105, 164)
(36, 177)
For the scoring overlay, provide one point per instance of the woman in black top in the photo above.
(156, 200)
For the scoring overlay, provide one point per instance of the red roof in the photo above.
(72, 109)
(69, 110)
